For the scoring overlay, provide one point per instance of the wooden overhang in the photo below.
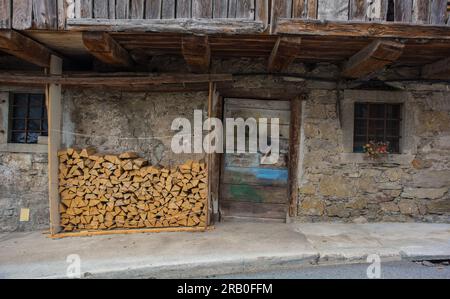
(342, 43)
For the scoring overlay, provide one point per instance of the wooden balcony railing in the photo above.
(55, 14)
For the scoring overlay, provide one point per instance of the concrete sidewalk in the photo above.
(230, 248)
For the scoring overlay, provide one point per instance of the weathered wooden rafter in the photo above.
(106, 49)
(25, 48)
(372, 58)
(185, 26)
(284, 53)
(197, 53)
(110, 79)
(362, 29)
(437, 70)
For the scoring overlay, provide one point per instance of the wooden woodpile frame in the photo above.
(106, 192)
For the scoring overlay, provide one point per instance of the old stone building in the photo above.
(335, 88)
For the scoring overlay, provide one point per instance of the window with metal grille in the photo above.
(28, 118)
(378, 123)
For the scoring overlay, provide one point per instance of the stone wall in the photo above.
(115, 122)
(23, 184)
(340, 186)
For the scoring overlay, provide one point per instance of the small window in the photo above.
(378, 123)
(28, 118)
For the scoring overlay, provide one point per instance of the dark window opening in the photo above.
(378, 123)
(28, 118)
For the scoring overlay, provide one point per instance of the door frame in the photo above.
(296, 99)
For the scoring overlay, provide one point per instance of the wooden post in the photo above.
(294, 154)
(215, 159)
(209, 158)
(54, 110)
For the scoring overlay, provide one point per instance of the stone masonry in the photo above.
(23, 184)
(336, 186)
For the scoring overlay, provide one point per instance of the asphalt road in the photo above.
(390, 270)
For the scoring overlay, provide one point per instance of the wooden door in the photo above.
(249, 189)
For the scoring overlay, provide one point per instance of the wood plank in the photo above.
(112, 9)
(280, 9)
(294, 155)
(284, 53)
(153, 9)
(110, 79)
(421, 13)
(168, 9)
(45, 14)
(247, 160)
(312, 9)
(91, 233)
(101, 9)
(254, 193)
(185, 26)
(220, 9)
(299, 9)
(201, 8)
(256, 210)
(256, 176)
(5, 14)
(262, 11)
(184, 8)
(22, 14)
(358, 10)
(374, 57)
(232, 5)
(25, 48)
(54, 108)
(106, 49)
(66, 10)
(336, 10)
(438, 11)
(122, 9)
(437, 70)
(245, 9)
(86, 9)
(403, 10)
(137, 9)
(197, 53)
(378, 10)
(358, 29)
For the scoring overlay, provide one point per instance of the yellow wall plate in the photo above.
(24, 215)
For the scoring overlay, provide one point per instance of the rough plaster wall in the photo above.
(23, 184)
(337, 190)
(114, 122)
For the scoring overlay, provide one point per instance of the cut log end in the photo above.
(106, 192)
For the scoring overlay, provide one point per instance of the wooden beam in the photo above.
(54, 108)
(362, 29)
(294, 154)
(5, 14)
(185, 26)
(112, 79)
(25, 48)
(372, 58)
(106, 49)
(197, 53)
(437, 70)
(284, 53)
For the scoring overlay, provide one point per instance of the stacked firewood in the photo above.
(104, 192)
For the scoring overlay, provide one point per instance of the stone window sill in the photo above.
(359, 158)
(24, 148)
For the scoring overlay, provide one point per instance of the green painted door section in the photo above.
(249, 189)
